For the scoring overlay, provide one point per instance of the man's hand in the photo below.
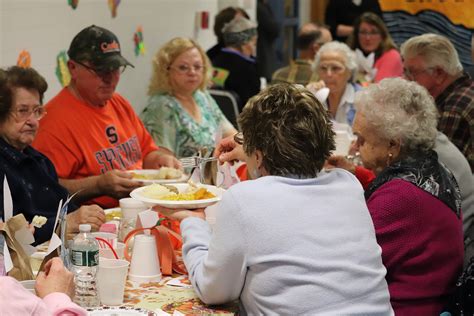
(161, 158)
(87, 214)
(229, 151)
(55, 278)
(179, 215)
(340, 162)
(117, 183)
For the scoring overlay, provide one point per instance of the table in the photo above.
(158, 295)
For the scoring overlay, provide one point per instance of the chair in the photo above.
(228, 103)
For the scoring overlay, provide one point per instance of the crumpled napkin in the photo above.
(366, 64)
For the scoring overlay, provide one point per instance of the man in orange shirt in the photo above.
(91, 133)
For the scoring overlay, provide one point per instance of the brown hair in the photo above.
(372, 19)
(290, 127)
(18, 77)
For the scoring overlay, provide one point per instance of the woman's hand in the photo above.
(54, 278)
(229, 151)
(315, 86)
(340, 162)
(181, 214)
(87, 214)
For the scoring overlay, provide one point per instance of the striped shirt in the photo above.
(456, 108)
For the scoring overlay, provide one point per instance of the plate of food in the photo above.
(162, 175)
(114, 213)
(178, 195)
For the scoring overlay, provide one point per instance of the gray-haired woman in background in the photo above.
(235, 67)
(336, 65)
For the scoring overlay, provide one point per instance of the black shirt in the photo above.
(34, 186)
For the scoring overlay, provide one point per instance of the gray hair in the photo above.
(341, 48)
(238, 31)
(436, 50)
(400, 109)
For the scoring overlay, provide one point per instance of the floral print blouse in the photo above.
(173, 128)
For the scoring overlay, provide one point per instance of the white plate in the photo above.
(115, 311)
(136, 194)
(183, 177)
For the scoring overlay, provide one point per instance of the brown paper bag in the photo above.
(21, 261)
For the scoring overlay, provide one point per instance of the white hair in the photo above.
(341, 48)
(436, 50)
(238, 31)
(399, 109)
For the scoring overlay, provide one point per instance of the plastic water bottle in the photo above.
(85, 260)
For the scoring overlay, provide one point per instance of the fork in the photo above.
(195, 161)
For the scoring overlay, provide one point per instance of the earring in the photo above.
(389, 160)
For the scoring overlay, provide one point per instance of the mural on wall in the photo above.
(73, 3)
(138, 41)
(62, 72)
(451, 18)
(113, 5)
(24, 59)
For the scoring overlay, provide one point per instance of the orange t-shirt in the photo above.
(82, 140)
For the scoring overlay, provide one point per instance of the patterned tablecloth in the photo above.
(161, 296)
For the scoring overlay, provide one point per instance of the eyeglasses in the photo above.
(414, 73)
(239, 138)
(24, 113)
(335, 69)
(184, 69)
(102, 73)
(367, 33)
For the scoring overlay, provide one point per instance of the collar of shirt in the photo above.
(231, 51)
(17, 156)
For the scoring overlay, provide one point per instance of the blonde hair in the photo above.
(165, 56)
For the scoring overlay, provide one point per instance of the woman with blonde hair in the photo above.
(181, 115)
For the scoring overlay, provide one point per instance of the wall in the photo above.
(46, 27)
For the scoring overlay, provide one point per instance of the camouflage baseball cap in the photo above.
(98, 46)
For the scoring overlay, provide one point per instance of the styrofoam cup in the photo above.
(108, 254)
(145, 265)
(131, 207)
(111, 280)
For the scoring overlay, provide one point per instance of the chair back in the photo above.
(228, 103)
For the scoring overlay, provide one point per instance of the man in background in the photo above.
(92, 134)
(310, 38)
(432, 61)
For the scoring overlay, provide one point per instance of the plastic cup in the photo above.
(131, 207)
(111, 280)
(145, 265)
(108, 254)
(29, 285)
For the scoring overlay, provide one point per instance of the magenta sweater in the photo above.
(422, 246)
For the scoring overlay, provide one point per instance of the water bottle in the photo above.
(85, 260)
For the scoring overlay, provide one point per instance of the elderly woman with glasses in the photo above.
(181, 115)
(31, 176)
(336, 65)
(414, 200)
(370, 36)
(235, 67)
(292, 232)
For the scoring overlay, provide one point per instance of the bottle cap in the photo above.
(85, 227)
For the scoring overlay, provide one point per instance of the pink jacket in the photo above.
(389, 65)
(16, 300)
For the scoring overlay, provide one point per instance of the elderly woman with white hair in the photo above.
(235, 67)
(336, 65)
(414, 200)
